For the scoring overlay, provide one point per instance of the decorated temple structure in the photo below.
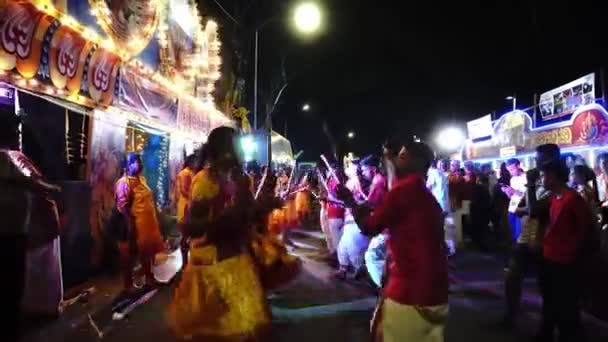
(569, 116)
(95, 79)
(513, 136)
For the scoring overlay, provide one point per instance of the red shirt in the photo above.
(455, 183)
(377, 190)
(570, 218)
(418, 273)
(334, 211)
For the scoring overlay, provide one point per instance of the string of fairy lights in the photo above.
(193, 84)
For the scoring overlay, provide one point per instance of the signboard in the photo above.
(7, 95)
(566, 99)
(480, 128)
(509, 151)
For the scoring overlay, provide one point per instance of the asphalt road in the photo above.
(314, 307)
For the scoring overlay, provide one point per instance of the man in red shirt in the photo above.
(415, 303)
(570, 220)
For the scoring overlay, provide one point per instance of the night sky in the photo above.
(383, 69)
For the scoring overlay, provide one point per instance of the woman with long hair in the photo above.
(220, 296)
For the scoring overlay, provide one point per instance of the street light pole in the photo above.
(514, 99)
(255, 83)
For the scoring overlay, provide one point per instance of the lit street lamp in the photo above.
(351, 135)
(307, 20)
(514, 99)
(450, 139)
(307, 17)
(306, 107)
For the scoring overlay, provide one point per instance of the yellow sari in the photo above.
(143, 210)
(218, 299)
(184, 180)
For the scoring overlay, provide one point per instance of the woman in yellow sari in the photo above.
(220, 296)
(135, 201)
(182, 193)
(303, 200)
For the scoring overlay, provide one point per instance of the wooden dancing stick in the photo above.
(331, 170)
(262, 181)
(293, 169)
(322, 180)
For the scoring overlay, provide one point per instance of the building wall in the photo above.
(107, 150)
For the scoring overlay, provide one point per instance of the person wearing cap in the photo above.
(414, 306)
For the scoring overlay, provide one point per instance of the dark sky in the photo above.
(405, 67)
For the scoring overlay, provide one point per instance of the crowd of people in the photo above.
(401, 219)
(394, 220)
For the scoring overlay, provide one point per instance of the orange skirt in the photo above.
(277, 221)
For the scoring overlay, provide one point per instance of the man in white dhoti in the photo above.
(353, 244)
(415, 298)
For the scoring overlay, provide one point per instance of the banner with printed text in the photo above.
(560, 103)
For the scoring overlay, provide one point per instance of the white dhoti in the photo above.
(43, 291)
(450, 233)
(352, 247)
(399, 322)
(456, 217)
(375, 257)
(334, 233)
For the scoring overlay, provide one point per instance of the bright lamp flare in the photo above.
(450, 139)
(307, 17)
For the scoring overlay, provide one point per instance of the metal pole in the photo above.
(514, 102)
(269, 146)
(255, 83)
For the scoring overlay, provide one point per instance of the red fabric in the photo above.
(377, 190)
(334, 211)
(570, 218)
(455, 184)
(418, 273)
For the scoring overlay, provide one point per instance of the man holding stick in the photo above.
(415, 303)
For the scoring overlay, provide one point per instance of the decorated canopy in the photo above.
(156, 59)
(513, 134)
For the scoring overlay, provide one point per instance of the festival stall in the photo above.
(568, 116)
(133, 75)
(572, 118)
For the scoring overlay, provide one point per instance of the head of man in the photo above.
(486, 169)
(469, 167)
(554, 174)
(352, 168)
(547, 152)
(134, 164)
(513, 166)
(442, 165)
(455, 166)
(408, 158)
(369, 167)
